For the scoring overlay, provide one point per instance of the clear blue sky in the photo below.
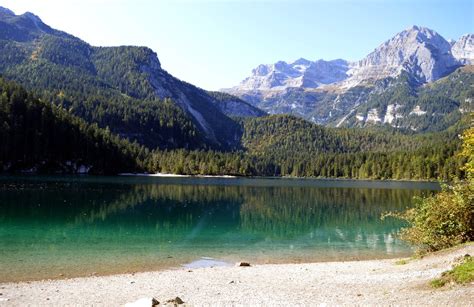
(215, 44)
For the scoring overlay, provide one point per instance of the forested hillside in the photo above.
(36, 136)
(282, 145)
(122, 88)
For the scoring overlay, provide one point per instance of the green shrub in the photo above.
(442, 220)
(445, 219)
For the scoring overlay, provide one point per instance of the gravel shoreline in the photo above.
(373, 282)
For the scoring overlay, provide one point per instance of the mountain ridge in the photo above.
(47, 60)
(425, 37)
(420, 53)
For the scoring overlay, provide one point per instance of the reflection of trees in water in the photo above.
(335, 213)
(177, 210)
(159, 207)
(170, 205)
(92, 202)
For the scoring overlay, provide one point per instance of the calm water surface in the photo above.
(77, 226)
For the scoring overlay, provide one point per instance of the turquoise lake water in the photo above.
(66, 226)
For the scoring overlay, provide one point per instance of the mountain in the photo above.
(422, 53)
(411, 59)
(123, 88)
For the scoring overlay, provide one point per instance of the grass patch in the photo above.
(437, 283)
(461, 274)
(401, 262)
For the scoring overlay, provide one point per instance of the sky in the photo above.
(216, 43)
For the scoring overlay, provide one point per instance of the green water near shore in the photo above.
(65, 226)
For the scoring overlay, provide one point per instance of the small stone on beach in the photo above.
(242, 264)
(176, 301)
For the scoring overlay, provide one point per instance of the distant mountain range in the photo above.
(338, 92)
(123, 88)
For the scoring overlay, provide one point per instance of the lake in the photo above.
(67, 226)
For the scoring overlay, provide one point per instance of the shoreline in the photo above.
(198, 263)
(374, 282)
(171, 175)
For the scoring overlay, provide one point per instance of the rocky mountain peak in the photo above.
(260, 70)
(300, 73)
(463, 49)
(418, 50)
(32, 17)
(302, 61)
(25, 27)
(5, 11)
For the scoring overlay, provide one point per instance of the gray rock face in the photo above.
(301, 73)
(463, 49)
(422, 52)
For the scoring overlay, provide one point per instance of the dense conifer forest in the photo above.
(322, 152)
(36, 136)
